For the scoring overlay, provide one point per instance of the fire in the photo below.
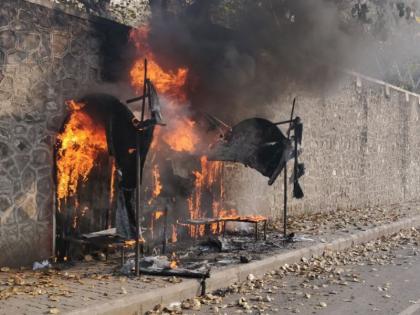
(169, 83)
(173, 264)
(156, 182)
(228, 214)
(183, 138)
(174, 237)
(130, 243)
(209, 178)
(112, 183)
(79, 145)
(155, 216)
(158, 214)
(180, 133)
(73, 105)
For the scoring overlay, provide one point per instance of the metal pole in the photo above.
(285, 177)
(139, 178)
(285, 203)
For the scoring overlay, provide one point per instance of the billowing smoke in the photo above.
(242, 54)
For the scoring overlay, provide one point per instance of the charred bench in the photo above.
(221, 222)
(104, 241)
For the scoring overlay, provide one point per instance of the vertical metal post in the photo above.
(285, 202)
(285, 176)
(139, 177)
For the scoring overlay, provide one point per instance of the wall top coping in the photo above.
(380, 82)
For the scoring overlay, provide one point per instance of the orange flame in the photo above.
(169, 83)
(112, 183)
(180, 134)
(209, 178)
(158, 214)
(79, 145)
(73, 105)
(156, 182)
(183, 138)
(174, 237)
(173, 264)
(155, 216)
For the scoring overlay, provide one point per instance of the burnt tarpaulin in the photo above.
(256, 143)
(121, 132)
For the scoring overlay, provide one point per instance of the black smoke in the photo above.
(244, 55)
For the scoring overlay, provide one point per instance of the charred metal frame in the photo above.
(293, 122)
(218, 221)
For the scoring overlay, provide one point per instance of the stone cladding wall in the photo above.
(361, 148)
(361, 139)
(46, 57)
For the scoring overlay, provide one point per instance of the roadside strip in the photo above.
(139, 303)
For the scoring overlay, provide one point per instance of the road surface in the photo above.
(379, 278)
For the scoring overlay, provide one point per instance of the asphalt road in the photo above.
(384, 282)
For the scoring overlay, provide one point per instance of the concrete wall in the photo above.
(360, 148)
(45, 57)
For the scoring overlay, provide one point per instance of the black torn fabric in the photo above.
(121, 131)
(256, 143)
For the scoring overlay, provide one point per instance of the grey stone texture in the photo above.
(361, 139)
(46, 56)
(360, 148)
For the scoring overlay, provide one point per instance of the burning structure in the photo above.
(100, 124)
(63, 167)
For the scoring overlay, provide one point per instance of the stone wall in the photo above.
(361, 147)
(46, 57)
(361, 140)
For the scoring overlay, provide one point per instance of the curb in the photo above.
(138, 304)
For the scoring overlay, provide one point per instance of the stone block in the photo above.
(5, 202)
(28, 41)
(45, 185)
(28, 180)
(59, 44)
(5, 151)
(7, 39)
(41, 158)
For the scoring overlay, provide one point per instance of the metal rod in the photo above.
(295, 165)
(285, 202)
(283, 122)
(146, 84)
(135, 99)
(285, 176)
(139, 176)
